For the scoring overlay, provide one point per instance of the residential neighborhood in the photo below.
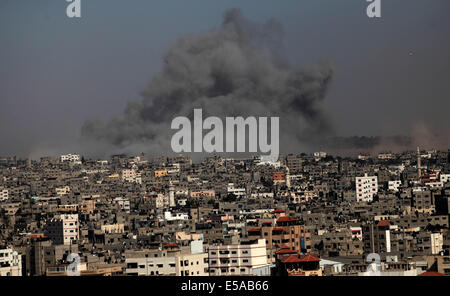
(305, 215)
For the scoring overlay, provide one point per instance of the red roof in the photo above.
(298, 259)
(285, 250)
(278, 176)
(432, 273)
(254, 229)
(279, 211)
(277, 229)
(170, 245)
(310, 258)
(286, 219)
(383, 223)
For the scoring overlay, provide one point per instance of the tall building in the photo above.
(4, 194)
(286, 232)
(10, 263)
(377, 238)
(366, 188)
(63, 229)
(236, 260)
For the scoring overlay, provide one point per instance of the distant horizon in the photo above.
(198, 157)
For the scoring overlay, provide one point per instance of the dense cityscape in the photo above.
(305, 215)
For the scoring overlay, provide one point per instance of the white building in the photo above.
(132, 176)
(435, 185)
(4, 194)
(161, 200)
(437, 242)
(144, 266)
(335, 266)
(363, 156)
(168, 216)
(75, 158)
(192, 265)
(113, 228)
(63, 229)
(319, 155)
(62, 190)
(384, 156)
(124, 203)
(239, 192)
(394, 186)
(444, 178)
(356, 232)
(10, 263)
(366, 188)
(235, 260)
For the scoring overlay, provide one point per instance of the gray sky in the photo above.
(391, 74)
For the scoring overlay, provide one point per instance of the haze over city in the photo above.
(384, 77)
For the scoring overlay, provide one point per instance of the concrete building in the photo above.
(235, 260)
(63, 229)
(366, 188)
(132, 176)
(239, 192)
(394, 186)
(286, 232)
(10, 263)
(158, 266)
(75, 158)
(192, 265)
(4, 194)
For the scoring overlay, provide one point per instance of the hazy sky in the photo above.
(392, 74)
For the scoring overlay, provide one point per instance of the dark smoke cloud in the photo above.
(236, 70)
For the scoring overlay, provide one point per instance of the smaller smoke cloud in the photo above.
(420, 136)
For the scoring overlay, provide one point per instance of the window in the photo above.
(132, 265)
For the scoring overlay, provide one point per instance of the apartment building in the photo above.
(4, 194)
(395, 185)
(239, 192)
(156, 266)
(239, 259)
(366, 188)
(192, 265)
(10, 263)
(63, 229)
(132, 176)
(75, 158)
(286, 232)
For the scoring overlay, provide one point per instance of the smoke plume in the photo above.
(235, 70)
